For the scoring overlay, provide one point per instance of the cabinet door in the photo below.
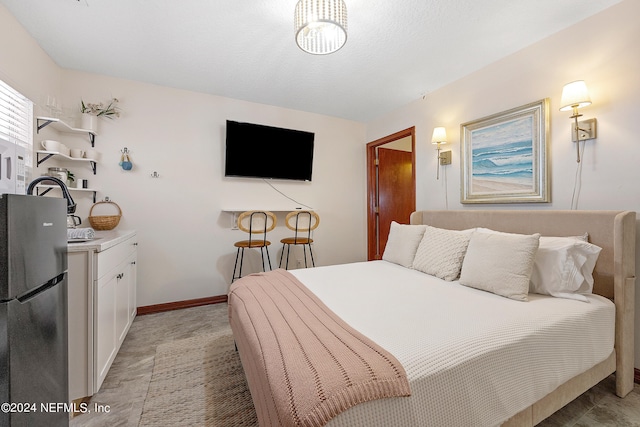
(126, 298)
(122, 302)
(105, 335)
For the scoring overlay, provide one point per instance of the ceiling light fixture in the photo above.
(320, 25)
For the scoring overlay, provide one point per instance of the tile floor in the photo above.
(126, 384)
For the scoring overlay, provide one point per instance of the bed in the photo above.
(567, 346)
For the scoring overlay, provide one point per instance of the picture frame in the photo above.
(504, 156)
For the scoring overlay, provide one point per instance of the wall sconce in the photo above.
(440, 137)
(574, 96)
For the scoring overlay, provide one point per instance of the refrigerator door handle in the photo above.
(37, 291)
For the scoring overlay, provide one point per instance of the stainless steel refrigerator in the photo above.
(33, 311)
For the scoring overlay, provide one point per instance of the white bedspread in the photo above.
(472, 358)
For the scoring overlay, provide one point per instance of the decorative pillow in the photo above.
(564, 267)
(441, 252)
(500, 263)
(402, 243)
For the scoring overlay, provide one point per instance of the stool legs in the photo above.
(235, 265)
(281, 255)
(304, 252)
(240, 255)
(262, 251)
(313, 263)
(287, 247)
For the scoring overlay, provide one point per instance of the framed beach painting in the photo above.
(504, 156)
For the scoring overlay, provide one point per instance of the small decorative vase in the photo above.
(89, 122)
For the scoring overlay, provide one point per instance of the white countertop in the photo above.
(103, 241)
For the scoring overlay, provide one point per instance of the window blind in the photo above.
(16, 119)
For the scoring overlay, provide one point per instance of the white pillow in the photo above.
(564, 267)
(441, 252)
(500, 263)
(402, 243)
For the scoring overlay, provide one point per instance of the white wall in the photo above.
(186, 243)
(23, 64)
(185, 239)
(603, 51)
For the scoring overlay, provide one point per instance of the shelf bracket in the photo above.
(46, 190)
(44, 124)
(92, 138)
(93, 167)
(39, 161)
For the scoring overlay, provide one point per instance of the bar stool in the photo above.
(300, 222)
(254, 222)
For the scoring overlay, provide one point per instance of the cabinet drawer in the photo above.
(112, 257)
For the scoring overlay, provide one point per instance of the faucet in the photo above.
(71, 205)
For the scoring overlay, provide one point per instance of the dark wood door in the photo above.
(395, 173)
(396, 198)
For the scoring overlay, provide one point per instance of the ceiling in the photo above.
(397, 51)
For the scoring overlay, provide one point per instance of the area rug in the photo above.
(198, 382)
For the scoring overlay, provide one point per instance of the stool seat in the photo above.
(296, 241)
(251, 244)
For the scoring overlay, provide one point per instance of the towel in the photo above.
(81, 233)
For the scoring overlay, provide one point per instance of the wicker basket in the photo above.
(105, 222)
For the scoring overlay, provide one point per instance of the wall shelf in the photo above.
(42, 156)
(42, 189)
(62, 126)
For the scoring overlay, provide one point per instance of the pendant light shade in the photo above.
(320, 25)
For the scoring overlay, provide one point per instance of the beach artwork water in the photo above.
(502, 157)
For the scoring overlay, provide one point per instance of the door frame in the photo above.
(371, 182)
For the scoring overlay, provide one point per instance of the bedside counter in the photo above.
(102, 305)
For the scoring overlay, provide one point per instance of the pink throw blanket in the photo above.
(304, 365)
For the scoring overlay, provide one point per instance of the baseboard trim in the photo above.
(636, 375)
(177, 305)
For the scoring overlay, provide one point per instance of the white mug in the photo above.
(77, 153)
(50, 145)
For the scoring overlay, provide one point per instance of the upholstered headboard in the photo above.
(613, 231)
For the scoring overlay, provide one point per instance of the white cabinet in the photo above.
(114, 285)
(102, 298)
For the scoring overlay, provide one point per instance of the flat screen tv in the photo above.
(258, 151)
